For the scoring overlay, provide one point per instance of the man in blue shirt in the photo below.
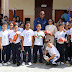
(65, 16)
(40, 20)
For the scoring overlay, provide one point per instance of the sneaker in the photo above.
(8, 63)
(54, 63)
(58, 63)
(23, 63)
(62, 63)
(29, 63)
(5, 64)
(67, 61)
(0, 64)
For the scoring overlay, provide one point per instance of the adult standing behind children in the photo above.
(40, 20)
(52, 28)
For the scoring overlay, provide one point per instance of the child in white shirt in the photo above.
(53, 53)
(21, 28)
(27, 43)
(38, 43)
(4, 44)
(15, 38)
(67, 33)
(10, 30)
(61, 45)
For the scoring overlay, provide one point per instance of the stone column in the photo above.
(6, 8)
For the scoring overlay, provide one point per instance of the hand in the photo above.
(47, 60)
(41, 36)
(68, 45)
(13, 41)
(32, 45)
(1, 47)
(22, 48)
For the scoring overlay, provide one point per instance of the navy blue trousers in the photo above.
(61, 49)
(16, 50)
(35, 50)
(5, 53)
(27, 49)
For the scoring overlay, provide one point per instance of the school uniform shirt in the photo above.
(4, 38)
(39, 40)
(59, 34)
(13, 34)
(71, 34)
(27, 34)
(52, 28)
(67, 32)
(9, 31)
(20, 29)
(52, 51)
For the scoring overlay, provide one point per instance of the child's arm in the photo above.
(42, 37)
(22, 43)
(51, 57)
(20, 36)
(0, 44)
(45, 52)
(69, 41)
(32, 41)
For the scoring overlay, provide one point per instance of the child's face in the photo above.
(66, 26)
(17, 18)
(14, 19)
(16, 28)
(38, 27)
(61, 27)
(28, 26)
(11, 25)
(4, 26)
(49, 45)
(22, 25)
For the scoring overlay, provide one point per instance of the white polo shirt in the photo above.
(9, 31)
(27, 34)
(39, 40)
(13, 34)
(59, 34)
(71, 34)
(20, 29)
(52, 51)
(5, 40)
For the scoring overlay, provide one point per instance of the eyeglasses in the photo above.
(49, 21)
(42, 14)
(4, 26)
(11, 25)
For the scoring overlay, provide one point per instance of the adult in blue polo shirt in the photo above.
(40, 20)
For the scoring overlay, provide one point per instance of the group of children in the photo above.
(16, 39)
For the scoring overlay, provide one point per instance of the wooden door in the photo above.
(17, 13)
(48, 9)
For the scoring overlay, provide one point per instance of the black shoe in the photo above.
(34, 62)
(41, 61)
(14, 62)
(18, 64)
(47, 63)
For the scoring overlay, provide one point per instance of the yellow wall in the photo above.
(27, 5)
